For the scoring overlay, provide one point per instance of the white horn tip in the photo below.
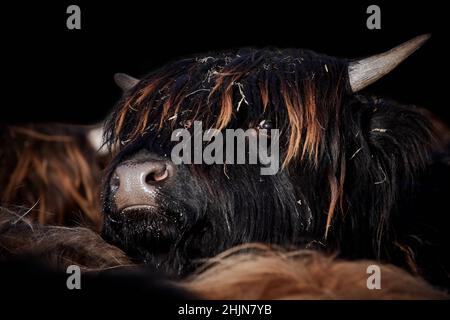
(366, 71)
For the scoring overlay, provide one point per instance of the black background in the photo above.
(56, 74)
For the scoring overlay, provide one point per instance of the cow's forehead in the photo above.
(297, 89)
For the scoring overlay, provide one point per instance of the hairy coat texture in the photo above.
(56, 246)
(34, 258)
(52, 173)
(258, 272)
(352, 165)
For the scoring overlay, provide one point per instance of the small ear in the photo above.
(124, 81)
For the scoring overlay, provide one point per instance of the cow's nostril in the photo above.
(135, 183)
(157, 175)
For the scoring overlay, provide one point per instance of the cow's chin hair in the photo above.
(143, 232)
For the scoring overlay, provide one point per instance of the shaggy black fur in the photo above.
(352, 163)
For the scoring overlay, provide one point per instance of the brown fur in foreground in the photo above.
(262, 273)
(275, 274)
(57, 246)
(53, 170)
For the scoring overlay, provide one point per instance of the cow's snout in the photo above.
(135, 184)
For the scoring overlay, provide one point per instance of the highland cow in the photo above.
(353, 165)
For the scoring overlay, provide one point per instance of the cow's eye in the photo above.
(265, 124)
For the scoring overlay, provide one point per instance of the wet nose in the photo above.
(134, 184)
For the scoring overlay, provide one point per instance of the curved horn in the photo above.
(366, 71)
(124, 81)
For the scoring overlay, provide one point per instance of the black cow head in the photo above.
(346, 159)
